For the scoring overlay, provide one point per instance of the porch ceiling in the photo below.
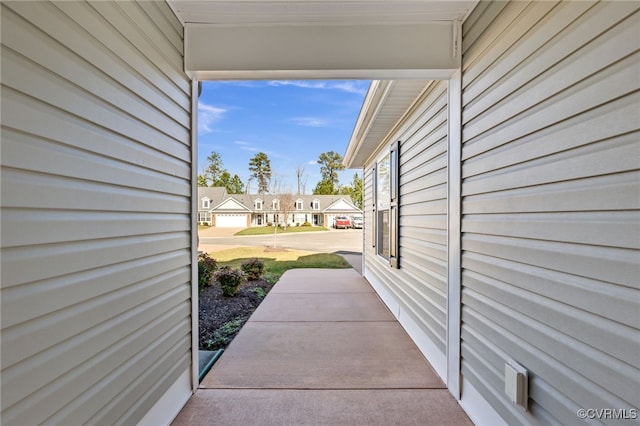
(304, 39)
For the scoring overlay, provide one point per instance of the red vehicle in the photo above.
(341, 222)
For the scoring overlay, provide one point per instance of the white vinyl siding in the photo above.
(96, 211)
(419, 286)
(550, 205)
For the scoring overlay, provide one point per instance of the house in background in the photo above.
(217, 208)
(510, 132)
(208, 198)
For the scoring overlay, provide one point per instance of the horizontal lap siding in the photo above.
(96, 186)
(420, 285)
(550, 205)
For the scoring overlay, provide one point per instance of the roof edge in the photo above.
(373, 102)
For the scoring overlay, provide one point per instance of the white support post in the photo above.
(194, 239)
(454, 235)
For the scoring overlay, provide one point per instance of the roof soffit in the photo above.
(385, 105)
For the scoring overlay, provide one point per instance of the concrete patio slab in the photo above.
(293, 307)
(322, 355)
(316, 407)
(322, 349)
(322, 281)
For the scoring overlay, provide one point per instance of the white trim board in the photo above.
(378, 51)
(477, 407)
(454, 233)
(169, 405)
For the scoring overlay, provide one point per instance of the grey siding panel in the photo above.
(420, 285)
(550, 207)
(96, 223)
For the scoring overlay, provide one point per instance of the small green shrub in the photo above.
(230, 280)
(269, 223)
(207, 266)
(222, 335)
(297, 223)
(306, 224)
(272, 277)
(253, 268)
(260, 292)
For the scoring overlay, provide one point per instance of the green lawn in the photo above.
(278, 262)
(267, 230)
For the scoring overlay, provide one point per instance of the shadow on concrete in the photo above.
(353, 257)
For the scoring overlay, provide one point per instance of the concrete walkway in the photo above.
(322, 349)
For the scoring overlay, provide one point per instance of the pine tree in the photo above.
(260, 168)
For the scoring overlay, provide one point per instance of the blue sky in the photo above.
(293, 122)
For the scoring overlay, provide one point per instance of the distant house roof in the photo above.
(216, 195)
(219, 197)
(340, 205)
(230, 204)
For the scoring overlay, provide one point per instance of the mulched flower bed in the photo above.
(221, 317)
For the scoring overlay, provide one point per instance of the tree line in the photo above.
(214, 174)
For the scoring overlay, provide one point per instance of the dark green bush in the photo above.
(253, 268)
(306, 224)
(230, 280)
(207, 266)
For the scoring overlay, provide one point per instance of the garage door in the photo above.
(329, 219)
(231, 220)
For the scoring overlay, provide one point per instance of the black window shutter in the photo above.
(394, 207)
(374, 198)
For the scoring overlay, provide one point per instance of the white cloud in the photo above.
(349, 86)
(312, 162)
(208, 115)
(357, 87)
(246, 146)
(299, 83)
(310, 121)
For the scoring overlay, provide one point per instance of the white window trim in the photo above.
(393, 152)
(315, 205)
(206, 203)
(299, 205)
(258, 204)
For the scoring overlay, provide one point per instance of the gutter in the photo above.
(373, 102)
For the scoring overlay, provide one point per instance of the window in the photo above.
(299, 205)
(385, 205)
(258, 204)
(275, 205)
(205, 203)
(315, 205)
(204, 217)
